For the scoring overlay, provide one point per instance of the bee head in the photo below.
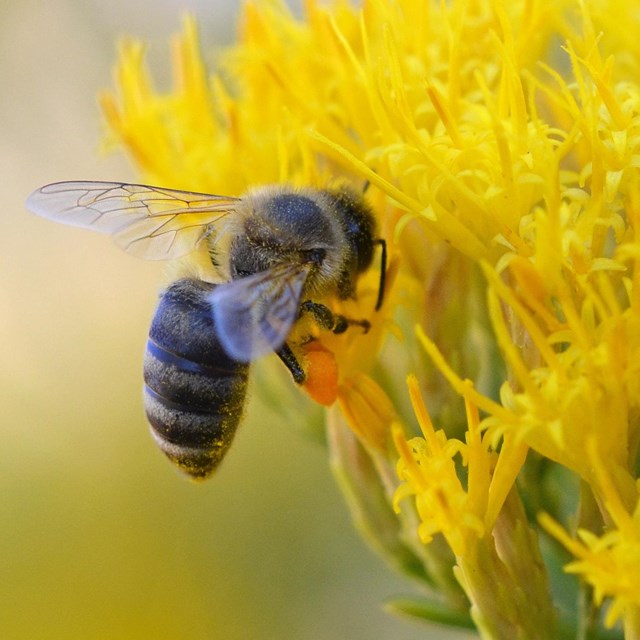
(358, 224)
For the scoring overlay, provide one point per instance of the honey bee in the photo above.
(275, 252)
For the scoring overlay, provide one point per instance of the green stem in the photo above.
(632, 624)
(506, 580)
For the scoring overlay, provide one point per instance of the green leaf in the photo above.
(429, 611)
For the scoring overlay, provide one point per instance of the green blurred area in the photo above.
(100, 537)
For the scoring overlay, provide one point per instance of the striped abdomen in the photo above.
(194, 393)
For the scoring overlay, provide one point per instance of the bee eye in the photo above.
(314, 256)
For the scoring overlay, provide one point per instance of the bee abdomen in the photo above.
(194, 393)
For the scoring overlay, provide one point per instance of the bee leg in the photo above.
(331, 321)
(291, 362)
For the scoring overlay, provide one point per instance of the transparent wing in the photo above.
(149, 222)
(254, 315)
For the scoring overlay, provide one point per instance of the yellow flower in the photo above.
(610, 562)
(427, 466)
(501, 144)
(474, 521)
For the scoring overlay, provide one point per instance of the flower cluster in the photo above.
(500, 142)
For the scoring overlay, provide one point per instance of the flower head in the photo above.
(500, 145)
(427, 466)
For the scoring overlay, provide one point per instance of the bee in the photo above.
(274, 253)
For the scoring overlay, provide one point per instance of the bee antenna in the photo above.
(383, 271)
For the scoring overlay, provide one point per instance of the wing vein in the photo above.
(147, 221)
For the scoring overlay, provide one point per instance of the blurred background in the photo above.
(100, 537)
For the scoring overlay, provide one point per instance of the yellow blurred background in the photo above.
(100, 537)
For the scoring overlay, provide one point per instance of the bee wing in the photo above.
(254, 315)
(148, 222)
